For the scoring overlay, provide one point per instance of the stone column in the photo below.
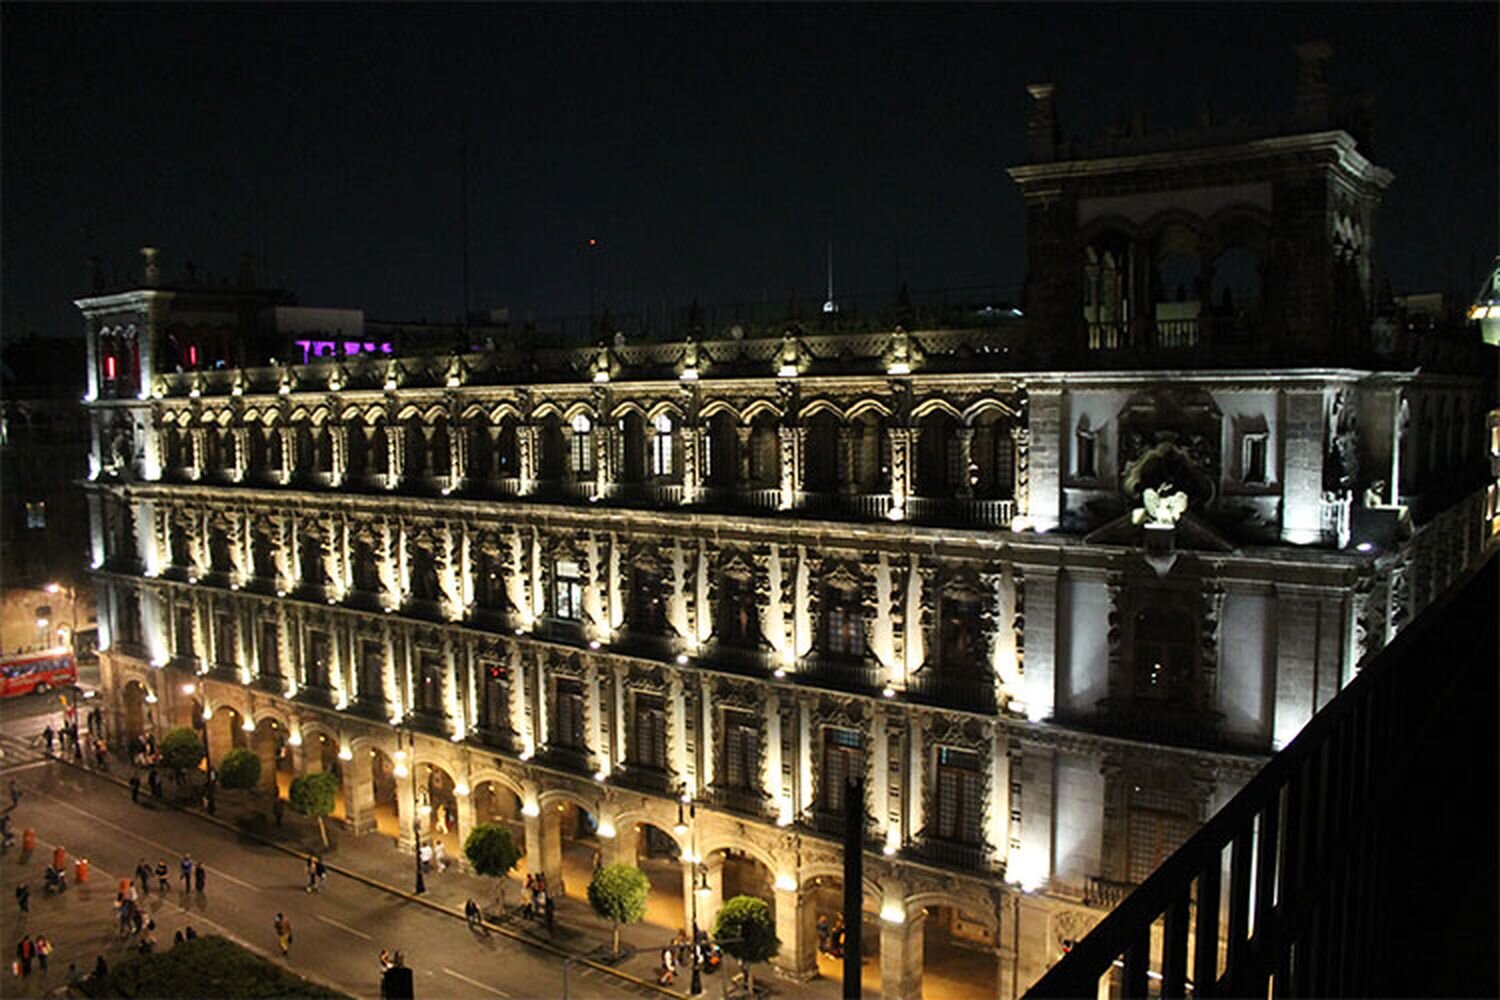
(901, 955)
(1040, 592)
(797, 927)
(566, 431)
(359, 794)
(338, 445)
(903, 444)
(847, 465)
(692, 468)
(241, 452)
(288, 451)
(1044, 464)
(550, 859)
(458, 455)
(406, 806)
(742, 437)
(965, 463)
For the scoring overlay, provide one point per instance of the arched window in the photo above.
(661, 446)
(581, 452)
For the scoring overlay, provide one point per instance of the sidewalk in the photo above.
(374, 858)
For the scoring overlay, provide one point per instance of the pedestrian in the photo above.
(143, 876)
(15, 793)
(312, 874)
(178, 938)
(199, 877)
(50, 737)
(191, 934)
(283, 933)
(385, 960)
(278, 809)
(548, 908)
(43, 949)
(471, 913)
(823, 932)
(320, 870)
(101, 754)
(25, 952)
(163, 884)
(135, 788)
(668, 970)
(187, 872)
(154, 780)
(101, 970)
(23, 897)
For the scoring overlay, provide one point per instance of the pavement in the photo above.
(256, 870)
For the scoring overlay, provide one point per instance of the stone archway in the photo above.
(322, 754)
(570, 844)
(268, 742)
(958, 955)
(821, 922)
(437, 807)
(656, 852)
(385, 809)
(496, 802)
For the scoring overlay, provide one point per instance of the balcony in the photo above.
(576, 759)
(960, 510)
(952, 854)
(862, 675)
(644, 778)
(745, 801)
(1160, 722)
(831, 824)
(1104, 893)
(946, 687)
(649, 494)
(742, 660)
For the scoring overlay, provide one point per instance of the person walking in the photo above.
(23, 897)
(15, 793)
(199, 877)
(143, 876)
(43, 949)
(154, 780)
(312, 874)
(548, 908)
(187, 872)
(283, 933)
(320, 871)
(25, 952)
(163, 883)
(278, 809)
(471, 913)
(190, 934)
(135, 788)
(50, 737)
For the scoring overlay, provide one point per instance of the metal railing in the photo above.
(937, 685)
(1288, 880)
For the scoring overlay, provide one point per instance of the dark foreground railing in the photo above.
(1283, 892)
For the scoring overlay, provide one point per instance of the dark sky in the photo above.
(713, 151)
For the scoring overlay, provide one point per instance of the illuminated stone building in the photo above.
(1054, 585)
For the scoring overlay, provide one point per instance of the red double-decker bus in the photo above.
(23, 673)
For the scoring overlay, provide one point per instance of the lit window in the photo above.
(567, 590)
(959, 801)
(1253, 458)
(661, 448)
(581, 456)
(36, 514)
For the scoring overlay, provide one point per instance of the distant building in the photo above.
(1055, 586)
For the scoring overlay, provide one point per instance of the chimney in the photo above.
(1042, 133)
(153, 269)
(1312, 85)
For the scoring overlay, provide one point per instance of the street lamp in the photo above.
(208, 760)
(416, 818)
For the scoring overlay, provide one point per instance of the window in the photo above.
(372, 671)
(491, 586)
(661, 446)
(311, 552)
(262, 551)
(130, 618)
(424, 578)
(581, 451)
(36, 514)
(648, 736)
(185, 629)
(958, 638)
(737, 625)
(567, 590)
(647, 609)
(567, 709)
(224, 644)
(1085, 451)
(430, 683)
(366, 575)
(843, 625)
(319, 657)
(270, 650)
(494, 695)
(1165, 642)
(1158, 824)
(843, 760)
(958, 795)
(1253, 458)
(741, 764)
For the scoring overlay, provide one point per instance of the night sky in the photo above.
(712, 151)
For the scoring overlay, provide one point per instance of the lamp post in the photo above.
(208, 760)
(416, 811)
(699, 879)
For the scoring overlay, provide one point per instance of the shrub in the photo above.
(239, 769)
(182, 749)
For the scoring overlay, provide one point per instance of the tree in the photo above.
(747, 931)
(618, 894)
(492, 851)
(312, 795)
(181, 750)
(239, 769)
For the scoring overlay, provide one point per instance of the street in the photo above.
(338, 932)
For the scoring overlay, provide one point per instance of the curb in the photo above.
(373, 883)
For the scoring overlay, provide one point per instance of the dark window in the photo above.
(430, 683)
(959, 631)
(366, 572)
(567, 715)
(270, 650)
(648, 611)
(262, 551)
(737, 625)
(1086, 466)
(1158, 824)
(741, 765)
(185, 634)
(648, 738)
(372, 670)
(1254, 458)
(319, 656)
(130, 617)
(958, 795)
(180, 555)
(494, 695)
(310, 548)
(1164, 654)
(424, 581)
(224, 644)
(491, 583)
(843, 625)
(843, 761)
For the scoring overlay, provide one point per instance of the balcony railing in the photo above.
(1105, 893)
(738, 660)
(946, 687)
(840, 675)
(748, 801)
(644, 778)
(996, 513)
(1160, 722)
(1314, 841)
(952, 854)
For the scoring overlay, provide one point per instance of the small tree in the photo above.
(747, 931)
(312, 795)
(618, 894)
(239, 769)
(493, 852)
(181, 750)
